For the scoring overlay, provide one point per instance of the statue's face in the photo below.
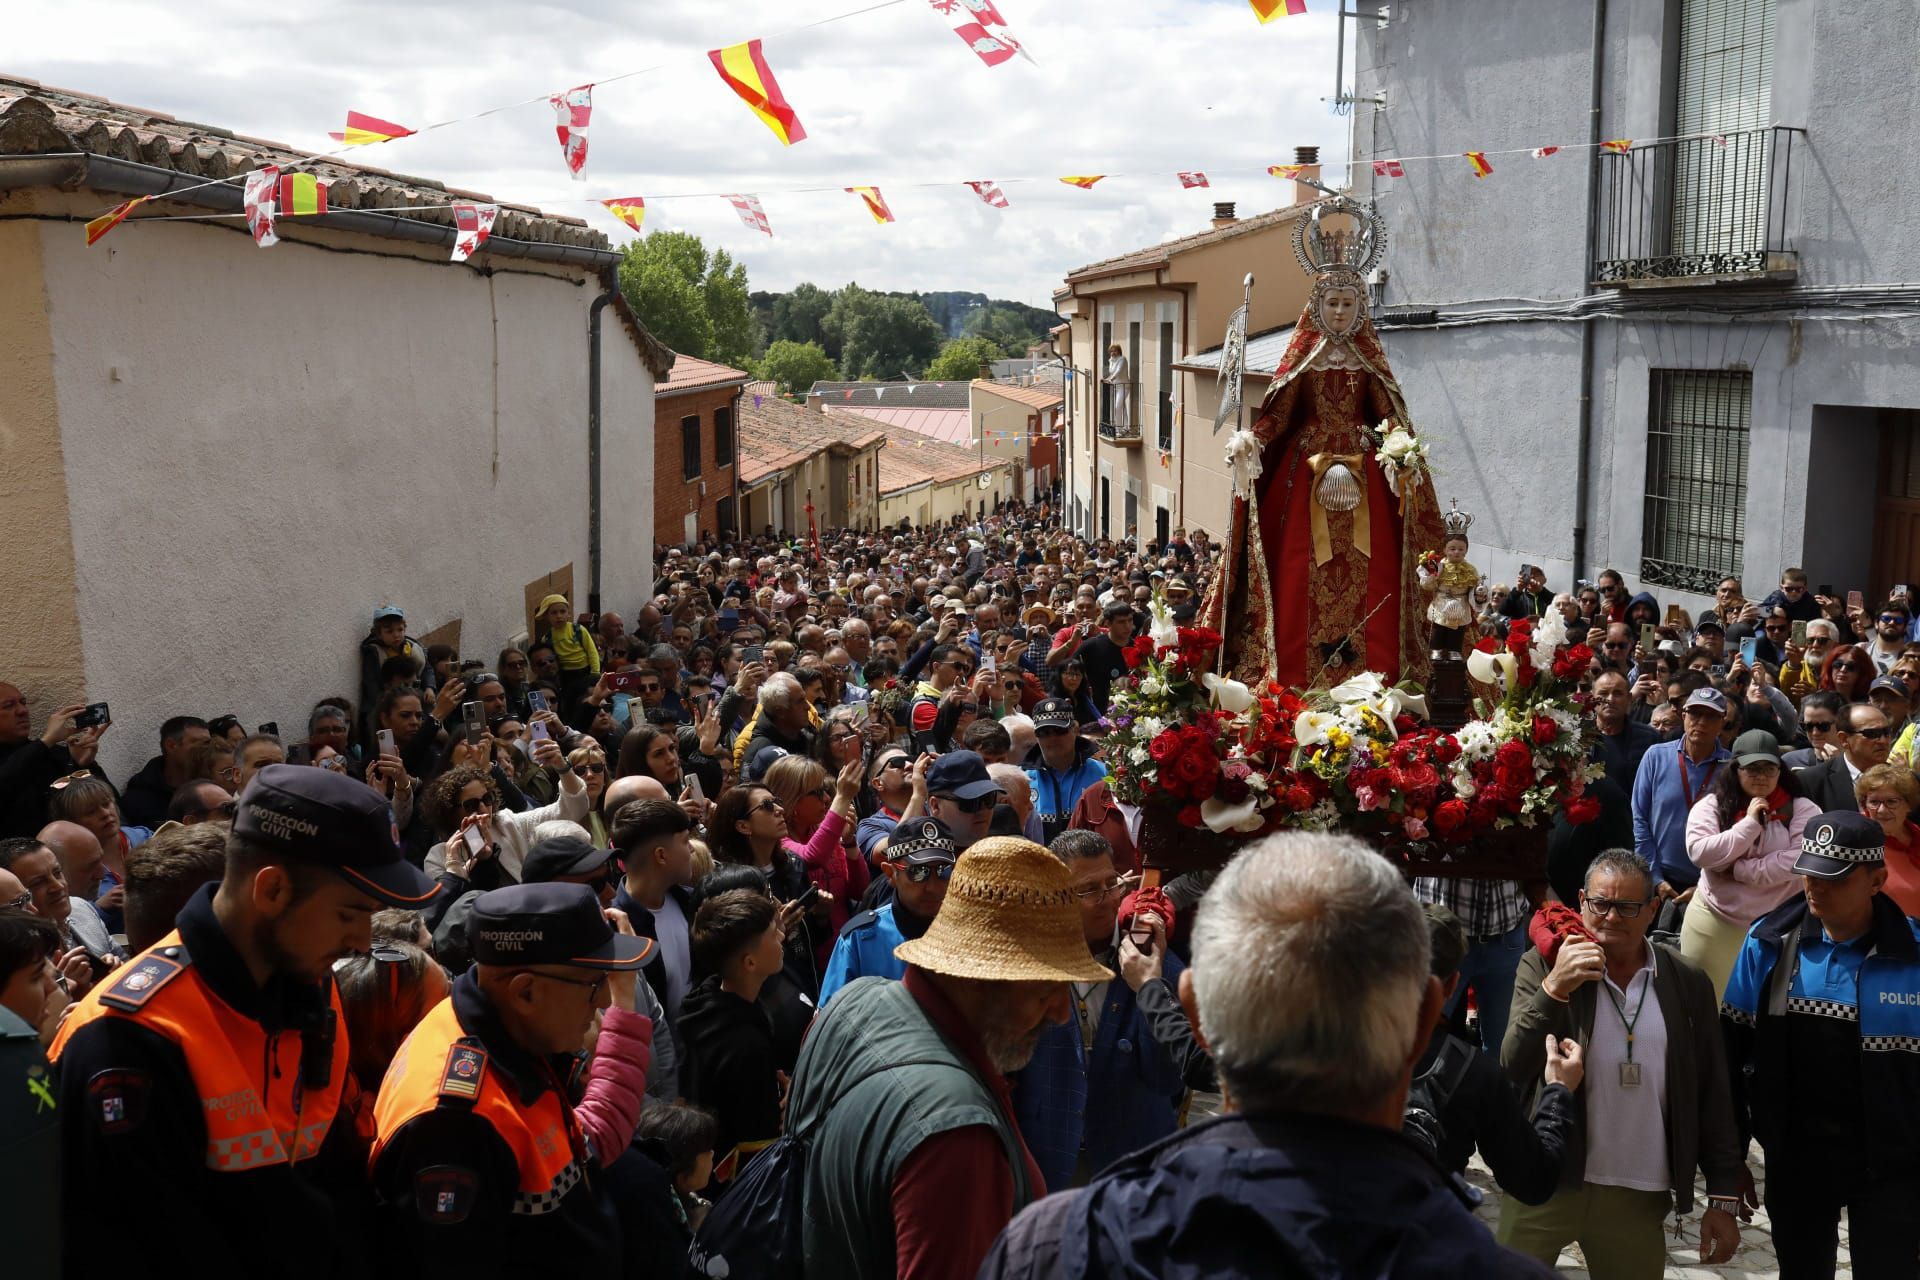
(1339, 311)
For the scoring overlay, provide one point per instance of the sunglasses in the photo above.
(898, 762)
(769, 805)
(1871, 735)
(974, 805)
(61, 784)
(927, 871)
(476, 804)
(1847, 664)
(1893, 617)
(593, 769)
(1817, 726)
(969, 708)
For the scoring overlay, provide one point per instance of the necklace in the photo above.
(1629, 1070)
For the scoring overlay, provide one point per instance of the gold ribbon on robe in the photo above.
(1362, 527)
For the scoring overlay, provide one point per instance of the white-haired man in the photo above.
(1307, 1173)
(785, 718)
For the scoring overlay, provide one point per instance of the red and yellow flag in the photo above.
(746, 72)
(112, 218)
(1285, 170)
(1268, 10)
(364, 130)
(876, 203)
(1618, 146)
(631, 210)
(1478, 159)
(301, 195)
(1083, 180)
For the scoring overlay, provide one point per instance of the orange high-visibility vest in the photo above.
(258, 1111)
(440, 1064)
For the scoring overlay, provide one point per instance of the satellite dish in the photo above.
(984, 481)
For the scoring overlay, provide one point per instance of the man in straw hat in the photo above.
(915, 1162)
(1310, 984)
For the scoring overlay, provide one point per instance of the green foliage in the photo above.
(882, 336)
(693, 301)
(1007, 326)
(960, 359)
(801, 316)
(796, 366)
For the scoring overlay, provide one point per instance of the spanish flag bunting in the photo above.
(1389, 169)
(1619, 146)
(876, 203)
(112, 218)
(257, 201)
(1285, 171)
(364, 130)
(631, 210)
(1541, 153)
(990, 192)
(302, 195)
(745, 71)
(1268, 10)
(1478, 159)
(1193, 179)
(1083, 180)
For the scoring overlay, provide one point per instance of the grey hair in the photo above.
(780, 692)
(1310, 961)
(1620, 862)
(556, 828)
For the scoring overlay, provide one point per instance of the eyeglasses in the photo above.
(1097, 892)
(1893, 617)
(968, 708)
(1847, 664)
(1781, 626)
(1617, 644)
(590, 768)
(926, 871)
(974, 805)
(897, 762)
(769, 805)
(22, 903)
(1625, 908)
(1871, 735)
(61, 784)
(476, 804)
(1817, 726)
(593, 988)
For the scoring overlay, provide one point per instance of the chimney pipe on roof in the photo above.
(1309, 157)
(1223, 215)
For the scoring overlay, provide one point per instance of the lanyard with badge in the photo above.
(1686, 787)
(1629, 1070)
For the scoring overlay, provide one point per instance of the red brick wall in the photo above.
(674, 495)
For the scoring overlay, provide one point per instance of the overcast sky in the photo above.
(891, 98)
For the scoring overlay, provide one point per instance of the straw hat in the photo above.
(1009, 916)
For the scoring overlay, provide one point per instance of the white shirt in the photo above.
(1627, 1125)
(670, 931)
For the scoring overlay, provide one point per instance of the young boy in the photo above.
(730, 1067)
(680, 1139)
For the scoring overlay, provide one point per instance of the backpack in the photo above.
(1431, 1090)
(753, 1232)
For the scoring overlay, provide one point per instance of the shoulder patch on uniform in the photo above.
(117, 1099)
(444, 1194)
(466, 1067)
(140, 981)
(861, 921)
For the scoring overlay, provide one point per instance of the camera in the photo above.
(93, 717)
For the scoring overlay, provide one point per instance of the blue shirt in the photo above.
(1666, 786)
(865, 950)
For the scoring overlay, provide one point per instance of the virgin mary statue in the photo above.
(1332, 508)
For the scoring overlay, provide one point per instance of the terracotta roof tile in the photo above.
(1037, 397)
(911, 458)
(776, 435)
(955, 426)
(1160, 253)
(691, 374)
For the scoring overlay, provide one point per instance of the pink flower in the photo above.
(1416, 829)
(1369, 798)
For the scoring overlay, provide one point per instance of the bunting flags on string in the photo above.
(752, 216)
(745, 71)
(1084, 180)
(364, 130)
(301, 195)
(1719, 140)
(1541, 153)
(572, 110)
(257, 200)
(472, 224)
(112, 218)
(1389, 169)
(876, 203)
(1268, 10)
(1192, 180)
(1478, 159)
(990, 193)
(1285, 171)
(631, 210)
(981, 28)
(1618, 146)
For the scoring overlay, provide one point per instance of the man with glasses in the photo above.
(891, 778)
(1821, 1017)
(949, 666)
(1671, 777)
(1820, 713)
(1866, 740)
(1620, 742)
(919, 861)
(200, 801)
(479, 1159)
(1616, 650)
(1062, 766)
(1890, 634)
(961, 793)
(1657, 1098)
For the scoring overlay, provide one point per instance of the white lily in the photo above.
(1229, 695)
(1492, 668)
(1221, 816)
(1413, 704)
(1310, 728)
(1165, 633)
(1365, 687)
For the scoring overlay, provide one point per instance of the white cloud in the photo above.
(1134, 88)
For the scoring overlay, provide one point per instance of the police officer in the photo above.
(1822, 1020)
(199, 1085)
(479, 1162)
(919, 860)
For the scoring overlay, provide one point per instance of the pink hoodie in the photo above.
(609, 1108)
(1746, 870)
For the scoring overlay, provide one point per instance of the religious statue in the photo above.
(1332, 507)
(1451, 582)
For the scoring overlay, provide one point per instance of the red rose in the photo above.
(1189, 816)
(1446, 748)
(1487, 644)
(1582, 809)
(1418, 780)
(1513, 753)
(1544, 730)
(1165, 746)
(1299, 798)
(1450, 817)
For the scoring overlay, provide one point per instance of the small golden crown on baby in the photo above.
(1457, 522)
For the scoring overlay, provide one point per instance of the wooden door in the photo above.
(1896, 517)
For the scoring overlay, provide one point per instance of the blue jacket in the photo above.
(1237, 1197)
(1056, 792)
(1660, 804)
(1131, 1087)
(864, 950)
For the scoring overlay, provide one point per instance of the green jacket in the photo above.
(874, 1081)
(29, 1153)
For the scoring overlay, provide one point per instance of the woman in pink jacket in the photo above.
(820, 825)
(1744, 835)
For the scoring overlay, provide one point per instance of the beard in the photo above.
(1008, 1048)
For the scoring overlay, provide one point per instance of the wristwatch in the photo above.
(1726, 1204)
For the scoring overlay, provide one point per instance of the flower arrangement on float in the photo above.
(1357, 756)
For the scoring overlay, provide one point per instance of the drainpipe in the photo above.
(600, 304)
(1584, 463)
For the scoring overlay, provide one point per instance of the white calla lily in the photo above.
(1492, 668)
(1365, 687)
(1165, 633)
(1229, 695)
(1310, 728)
(1221, 816)
(1413, 704)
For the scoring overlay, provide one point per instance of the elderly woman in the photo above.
(87, 799)
(1889, 794)
(1744, 835)
(465, 798)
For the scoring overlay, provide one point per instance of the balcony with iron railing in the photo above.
(1120, 413)
(1700, 210)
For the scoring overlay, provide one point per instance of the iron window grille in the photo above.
(1695, 516)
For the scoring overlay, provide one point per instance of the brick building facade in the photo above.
(696, 444)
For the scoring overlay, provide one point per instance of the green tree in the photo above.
(1007, 328)
(960, 359)
(693, 301)
(883, 337)
(800, 316)
(796, 366)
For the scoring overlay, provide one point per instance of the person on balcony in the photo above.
(1119, 389)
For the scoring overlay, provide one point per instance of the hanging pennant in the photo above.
(1389, 169)
(1268, 10)
(257, 199)
(990, 193)
(1478, 159)
(572, 110)
(364, 130)
(1286, 171)
(301, 195)
(1084, 180)
(876, 203)
(745, 71)
(1192, 180)
(472, 224)
(1618, 146)
(751, 214)
(1541, 153)
(631, 210)
(112, 218)
(981, 28)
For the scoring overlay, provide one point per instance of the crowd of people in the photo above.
(793, 917)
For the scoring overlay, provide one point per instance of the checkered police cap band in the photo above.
(919, 836)
(1820, 840)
